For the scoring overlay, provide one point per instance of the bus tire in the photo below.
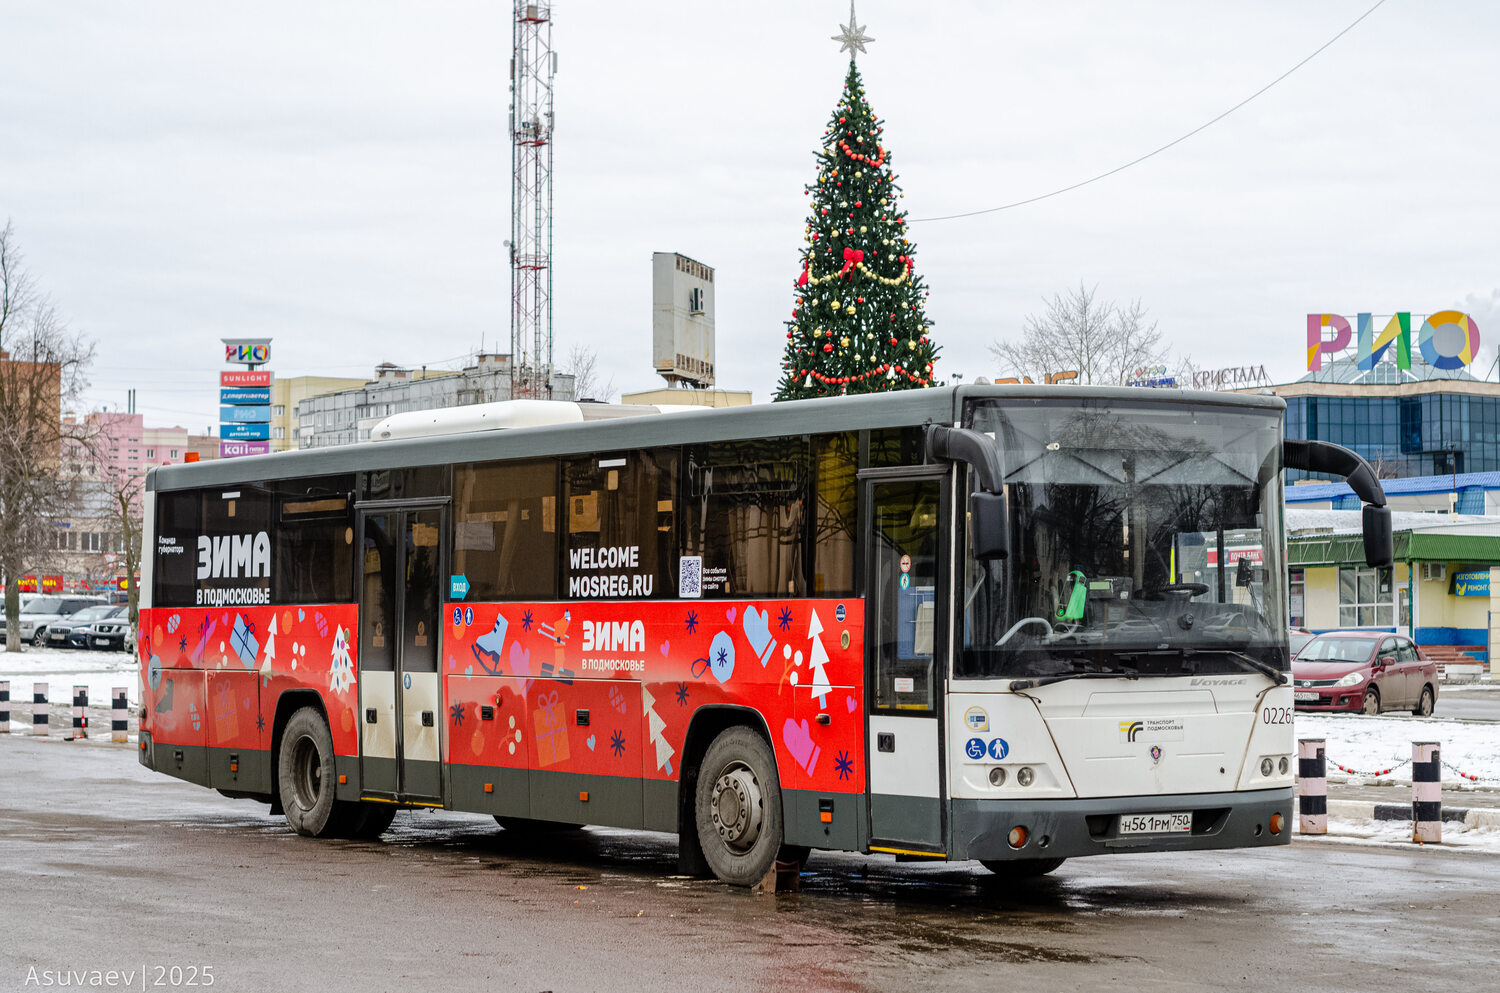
(366, 821)
(305, 774)
(1021, 868)
(738, 807)
(527, 826)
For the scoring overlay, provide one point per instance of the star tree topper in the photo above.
(851, 36)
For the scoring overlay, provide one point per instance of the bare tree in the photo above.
(1103, 341)
(583, 365)
(41, 367)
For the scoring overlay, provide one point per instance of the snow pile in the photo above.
(1455, 835)
(1371, 745)
(62, 669)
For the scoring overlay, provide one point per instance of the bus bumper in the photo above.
(1071, 828)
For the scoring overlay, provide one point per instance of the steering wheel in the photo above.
(1174, 590)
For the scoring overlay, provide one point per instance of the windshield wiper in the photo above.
(1017, 685)
(1272, 673)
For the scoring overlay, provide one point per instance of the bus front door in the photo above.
(399, 694)
(904, 585)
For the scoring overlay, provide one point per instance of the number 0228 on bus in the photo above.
(1011, 624)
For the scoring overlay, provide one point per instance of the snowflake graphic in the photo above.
(182, 643)
(457, 710)
(526, 621)
(784, 619)
(844, 765)
(617, 743)
(260, 722)
(682, 694)
(723, 658)
(692, 621)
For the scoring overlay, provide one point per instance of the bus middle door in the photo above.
(904, 587)
(399, 683)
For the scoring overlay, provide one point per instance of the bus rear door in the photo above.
(401, 566)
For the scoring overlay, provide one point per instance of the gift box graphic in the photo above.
(226, 714)
(242, 638)
(551, 731)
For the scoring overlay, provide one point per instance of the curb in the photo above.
(1366, 810)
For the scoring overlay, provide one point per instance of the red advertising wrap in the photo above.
(212, 675)
(602, 688)
(639, 669)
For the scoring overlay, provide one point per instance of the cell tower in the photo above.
(532, 66)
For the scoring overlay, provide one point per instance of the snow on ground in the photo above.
(1352, 831)
(1371, 745)
(62, 669)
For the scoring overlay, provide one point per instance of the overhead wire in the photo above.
(1176, 141)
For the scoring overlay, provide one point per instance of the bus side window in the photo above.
(179, 521)
(505, 529)
(314, 542)
(621, 515)
(746, 516)
(836, 517)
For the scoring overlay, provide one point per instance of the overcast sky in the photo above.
(335, 175)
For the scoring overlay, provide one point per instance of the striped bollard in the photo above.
(80, 712)
(1312, 786)
(119, 712)
(41, 711)
(1426, 793)
(4, 706)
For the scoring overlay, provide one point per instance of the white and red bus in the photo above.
(944, 624)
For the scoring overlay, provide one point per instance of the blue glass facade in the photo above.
(1428, 435)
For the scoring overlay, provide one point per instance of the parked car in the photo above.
(1363, 671)
(1299, 638)
(75, 631)
(43, 611)
(113, 630)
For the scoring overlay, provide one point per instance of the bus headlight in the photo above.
(1267, 766)
(1025, 776)
(997, 776)
(1284, 765)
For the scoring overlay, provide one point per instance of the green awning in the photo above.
(1349, 549)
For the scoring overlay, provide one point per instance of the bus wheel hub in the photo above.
(737, 808)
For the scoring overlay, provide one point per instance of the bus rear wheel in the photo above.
(1021, 868)
(737, 807)
(305, 778)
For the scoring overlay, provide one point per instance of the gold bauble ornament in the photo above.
(863, 229)
(844, 341)
(849, 309)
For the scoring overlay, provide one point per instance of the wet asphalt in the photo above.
(106, 866)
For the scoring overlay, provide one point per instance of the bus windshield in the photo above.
(1145, 540)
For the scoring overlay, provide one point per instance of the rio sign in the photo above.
(1447, 340)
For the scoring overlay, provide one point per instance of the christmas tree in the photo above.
(858, 325)
(656, 730)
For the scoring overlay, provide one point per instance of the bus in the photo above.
(965, 623)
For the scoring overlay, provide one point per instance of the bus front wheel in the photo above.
(1020, 868)
(737, 807)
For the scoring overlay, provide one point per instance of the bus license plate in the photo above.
(1156, 823)
(1305, 697)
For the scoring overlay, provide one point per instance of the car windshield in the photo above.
(93, 613)
(1143, 538)
(1337, 650)
(1299, 641)
(43, 605)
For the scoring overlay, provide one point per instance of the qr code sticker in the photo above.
(690, 576)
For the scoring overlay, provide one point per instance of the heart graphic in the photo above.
(732, 613)
(849, 702)
(665, 647)
(590, 743)
(301, 615)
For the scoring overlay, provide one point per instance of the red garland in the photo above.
(875, 163)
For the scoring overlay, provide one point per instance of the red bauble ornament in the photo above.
(893, 341)
(825, 210)
(859, 299)
(841, 120)
(827, 348)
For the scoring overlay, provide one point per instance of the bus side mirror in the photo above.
(1377, 529)
(989, 529)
